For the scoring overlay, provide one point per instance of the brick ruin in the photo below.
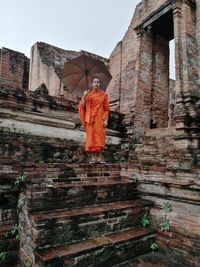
(140, 63)
(14, 69)
(46, 66)
(69, 213)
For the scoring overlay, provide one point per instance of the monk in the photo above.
(94, 111)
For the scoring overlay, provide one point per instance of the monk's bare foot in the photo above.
(99, 157)
(101, 160)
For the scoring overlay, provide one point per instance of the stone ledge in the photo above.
(92, 245)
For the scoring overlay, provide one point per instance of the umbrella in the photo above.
(78, 72)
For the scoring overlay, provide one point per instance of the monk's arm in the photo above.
(83, 101)
(106, 110)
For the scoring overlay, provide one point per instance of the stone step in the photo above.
(78, 166)
(89, 178)
(73, 167)
(72, 226)
(84, 180)
(153, 259)
(70, 172)
(97, 166)
(97, 252)
(74, 195)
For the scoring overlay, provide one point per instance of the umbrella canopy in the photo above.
(78, 72)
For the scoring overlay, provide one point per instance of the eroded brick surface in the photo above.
(14, 69)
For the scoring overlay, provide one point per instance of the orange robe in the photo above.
(92, 116)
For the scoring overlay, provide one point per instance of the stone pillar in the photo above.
(160, 88)
(142, 107)
(186, 69)
(185, 46)
(177, 40)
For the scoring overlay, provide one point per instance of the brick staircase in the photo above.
(85, 215)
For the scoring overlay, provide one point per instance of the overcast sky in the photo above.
(92, 25)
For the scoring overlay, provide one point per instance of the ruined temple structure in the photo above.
(143, 207)
(46, 66)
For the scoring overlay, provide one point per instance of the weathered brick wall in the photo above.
(168, 174)
(130, 54)
(198, 36)
(140, 96)
(131, 67)
(14, 69)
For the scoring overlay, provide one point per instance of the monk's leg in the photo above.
(92, 156)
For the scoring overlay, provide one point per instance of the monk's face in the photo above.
(96, 83)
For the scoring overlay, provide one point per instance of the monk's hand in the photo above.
(105, 123)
